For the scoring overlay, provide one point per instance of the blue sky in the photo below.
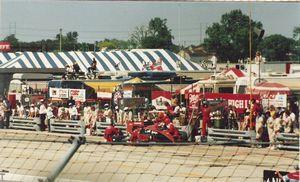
(33, 20)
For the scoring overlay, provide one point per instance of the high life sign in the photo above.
(239, 101)
(5, 46)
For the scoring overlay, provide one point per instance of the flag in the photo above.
(157, 65)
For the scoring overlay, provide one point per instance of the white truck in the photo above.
(29, 86)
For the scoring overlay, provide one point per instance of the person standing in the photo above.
(50, 115)
(71, 101)
(7, 112)
(2, 109)
(107, 113)
(42, 113)
(128, 115)
(73, 112)
(214, 62)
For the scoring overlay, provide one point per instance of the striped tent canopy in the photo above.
(133, 60)
(6, 56)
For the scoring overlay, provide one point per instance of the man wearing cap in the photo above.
(107, 113)
(128, 116)
(73, 111)
(50, 115)
(42, 113)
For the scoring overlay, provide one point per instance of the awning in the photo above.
(270, 90)
(133, 60)
(234, 73)
(134, 80)
(6, 56)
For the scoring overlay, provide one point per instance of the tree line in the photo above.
(227, 39)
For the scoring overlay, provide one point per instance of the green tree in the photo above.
(69, 41)
(159, 35)
(13, 40)
(156, 35)
(277, 47)
(229, 39)
(138, 35)
(296, 33)
(113, 44)
(296, 51)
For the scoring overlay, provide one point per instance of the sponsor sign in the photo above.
(278, 101)
(5, 46)
(240, 101)
(127, 94)
(104, 95)
(59, 93)
(77, 94)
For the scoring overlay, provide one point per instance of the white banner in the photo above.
(59, 93)
(104, 95)
(127, 94)
(77, 94)
(278, 101)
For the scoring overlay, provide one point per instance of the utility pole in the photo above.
(60, 36)
(200, 33)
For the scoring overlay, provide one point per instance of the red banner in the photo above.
(240, 101)
(5, 46)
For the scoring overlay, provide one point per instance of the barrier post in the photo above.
(82, 127)
(76, 142)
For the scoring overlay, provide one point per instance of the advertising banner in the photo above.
(278, 101)
(77, 94)
(240, 101)
(5, 46)
(104, 95)
(127, 94)
(59, 93)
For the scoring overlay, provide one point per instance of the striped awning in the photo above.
(106, 61)
(6, 56)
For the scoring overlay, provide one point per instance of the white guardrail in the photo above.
(288, 141)
(225, 135)
(67, 126)
(25, 123)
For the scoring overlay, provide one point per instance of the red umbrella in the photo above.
(270, 90)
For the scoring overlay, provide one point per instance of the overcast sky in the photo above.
(33, 20)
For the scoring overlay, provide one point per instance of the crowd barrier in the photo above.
(226, 135)
(25, 123)
(67, 126)
(288, 141)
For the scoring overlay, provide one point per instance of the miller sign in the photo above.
(5, 46)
